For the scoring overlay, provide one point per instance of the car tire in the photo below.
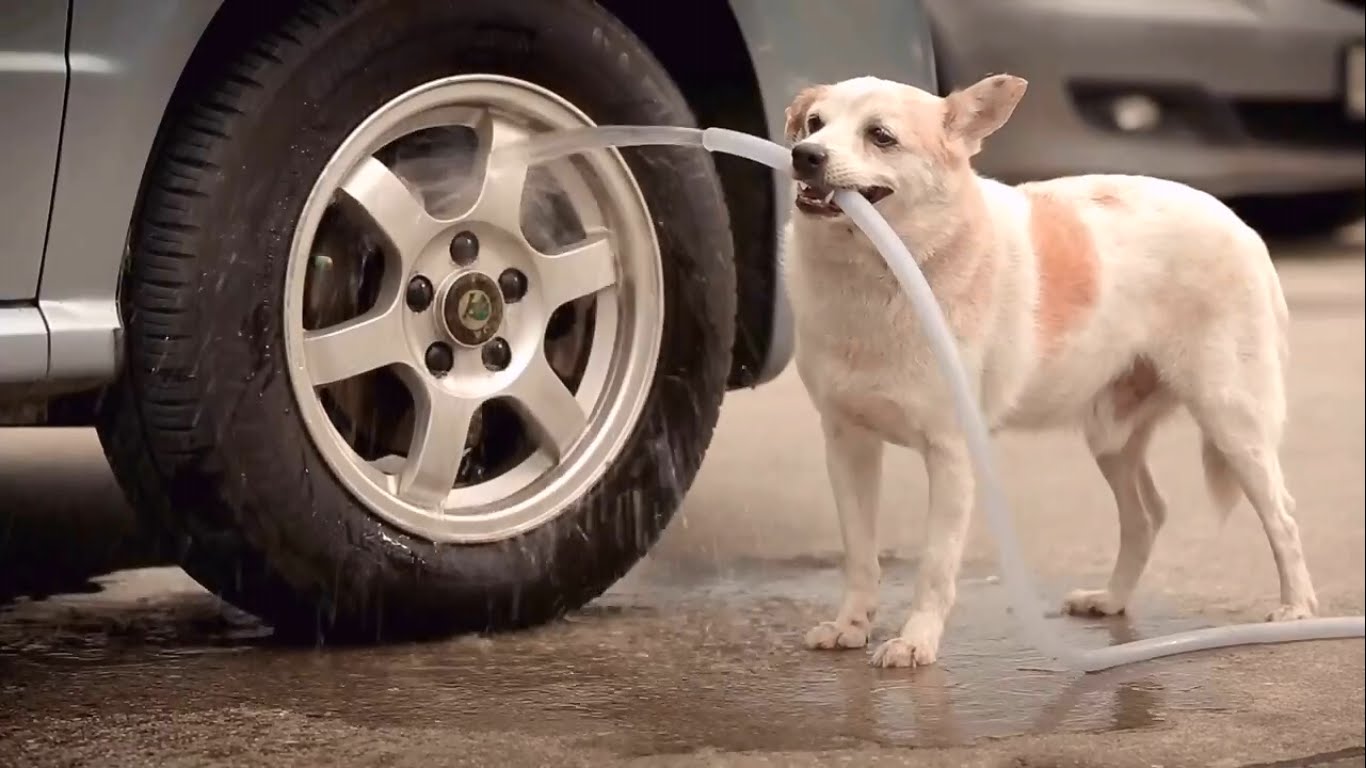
(201, 427)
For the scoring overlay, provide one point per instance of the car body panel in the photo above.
(33, 72)
(133, 54)
(32, 86)
(23, 344)
(1221, 59)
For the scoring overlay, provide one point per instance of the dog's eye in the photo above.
(881, 136)
(814, 123)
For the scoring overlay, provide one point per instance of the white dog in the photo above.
(1096, 302)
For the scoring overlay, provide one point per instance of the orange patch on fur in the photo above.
(1067, 267)
(1134, 387)
(795, 114)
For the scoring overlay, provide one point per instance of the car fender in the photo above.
(133, 54)
(825, 43)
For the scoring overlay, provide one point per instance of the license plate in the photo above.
(1356, 81)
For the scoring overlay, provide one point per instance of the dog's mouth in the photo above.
(818, 200)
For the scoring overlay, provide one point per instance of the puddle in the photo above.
(664, 663)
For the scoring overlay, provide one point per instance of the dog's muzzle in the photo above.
(814, 196)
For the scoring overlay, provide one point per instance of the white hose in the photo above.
(1015, 575)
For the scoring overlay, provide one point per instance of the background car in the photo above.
(1259, 102)
(355, 381)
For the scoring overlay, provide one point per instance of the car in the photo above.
(354, 381)
(1258, 102)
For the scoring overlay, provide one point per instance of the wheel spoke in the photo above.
(438, 117)
(503, 183)
(555, 417)
(441, 429)
(391, 206)
(359, 345)
(584, 269)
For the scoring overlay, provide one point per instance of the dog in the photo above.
(1101, 303)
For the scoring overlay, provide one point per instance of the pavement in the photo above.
(694, 659)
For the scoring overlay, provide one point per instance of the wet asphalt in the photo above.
(695, 658)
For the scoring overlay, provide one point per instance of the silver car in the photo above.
(354, 383)
(1256, 101)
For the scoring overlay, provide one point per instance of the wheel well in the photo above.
(721, 88)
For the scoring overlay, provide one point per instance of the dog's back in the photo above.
(1131, 272)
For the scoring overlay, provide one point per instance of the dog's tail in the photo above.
(1220, 479)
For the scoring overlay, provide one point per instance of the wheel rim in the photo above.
(480, 311)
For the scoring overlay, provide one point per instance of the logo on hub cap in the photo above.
(472, 308)
(475, 309)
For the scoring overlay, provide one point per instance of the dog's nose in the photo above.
(808, 160)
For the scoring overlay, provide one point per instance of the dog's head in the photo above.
(890, 140)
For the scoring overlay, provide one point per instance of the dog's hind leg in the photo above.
(1240, 443)
(853, 458)
(1142, 512)
(1236, 392)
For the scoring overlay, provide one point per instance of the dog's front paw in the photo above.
(1092, 602)
(1292, 612)
(900, 652)
(917, 646)
(836, 635)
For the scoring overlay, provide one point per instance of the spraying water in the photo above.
(1015, 574)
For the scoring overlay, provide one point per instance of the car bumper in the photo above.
(1252, 92)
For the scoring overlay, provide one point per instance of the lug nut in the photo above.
(464, 248)
(513, 285)
(419, 293)
(497, 354)
(439, 358)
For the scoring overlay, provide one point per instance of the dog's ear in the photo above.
(979, 110)
(796, 111)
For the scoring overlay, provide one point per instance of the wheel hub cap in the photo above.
(472, 308)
